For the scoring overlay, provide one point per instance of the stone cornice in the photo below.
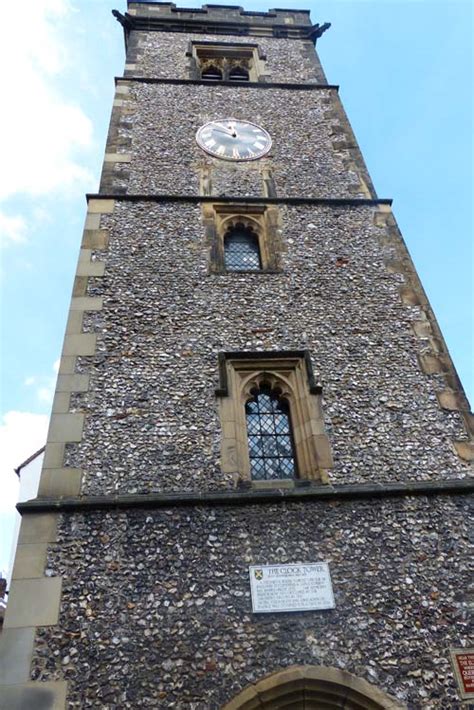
(249, 496)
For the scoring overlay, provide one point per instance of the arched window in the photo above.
(271, 449)
(241, 249)
(238, 73)
(272, 418)
(233, 62)
(212, 73)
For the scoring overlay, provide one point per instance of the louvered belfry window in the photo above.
(211, 73)
(271, 449)
(241, 250)
(238, 73)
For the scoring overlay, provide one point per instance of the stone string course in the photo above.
(156, 609)
(151, 413)
(154, 50)
(307, 157)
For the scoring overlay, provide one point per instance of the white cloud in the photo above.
(12, 229)
(41, 215)
(45, 384)
(45, 394)
(45, 131)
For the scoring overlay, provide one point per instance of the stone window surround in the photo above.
(226, 56)
(291, 371)
(263, 220)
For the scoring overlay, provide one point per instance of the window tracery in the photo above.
(223, 69)
(222, 61)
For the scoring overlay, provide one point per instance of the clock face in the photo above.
(231, 139)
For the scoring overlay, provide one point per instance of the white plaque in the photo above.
(302, 587)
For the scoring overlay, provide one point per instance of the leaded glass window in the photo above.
(241, 250)
(271, 447)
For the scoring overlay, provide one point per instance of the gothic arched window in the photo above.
(271, 449)
(238, 73)
(212, 73)
(272, 419)
(241, 249)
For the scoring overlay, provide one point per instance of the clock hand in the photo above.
(227, 131)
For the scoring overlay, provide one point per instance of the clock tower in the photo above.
(254, 491)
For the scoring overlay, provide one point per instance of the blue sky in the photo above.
(405, 72)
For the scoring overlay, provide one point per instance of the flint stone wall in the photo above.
(162, 55)
(151, 412)
(165, 158)
(156, 608)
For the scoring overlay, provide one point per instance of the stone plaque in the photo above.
(302, 587)
(463, 664)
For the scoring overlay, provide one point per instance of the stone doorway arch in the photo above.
(312, 688)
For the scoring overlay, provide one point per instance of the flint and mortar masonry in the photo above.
(282, 56)
(165, 318)
(307, 158)
(156, 606)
